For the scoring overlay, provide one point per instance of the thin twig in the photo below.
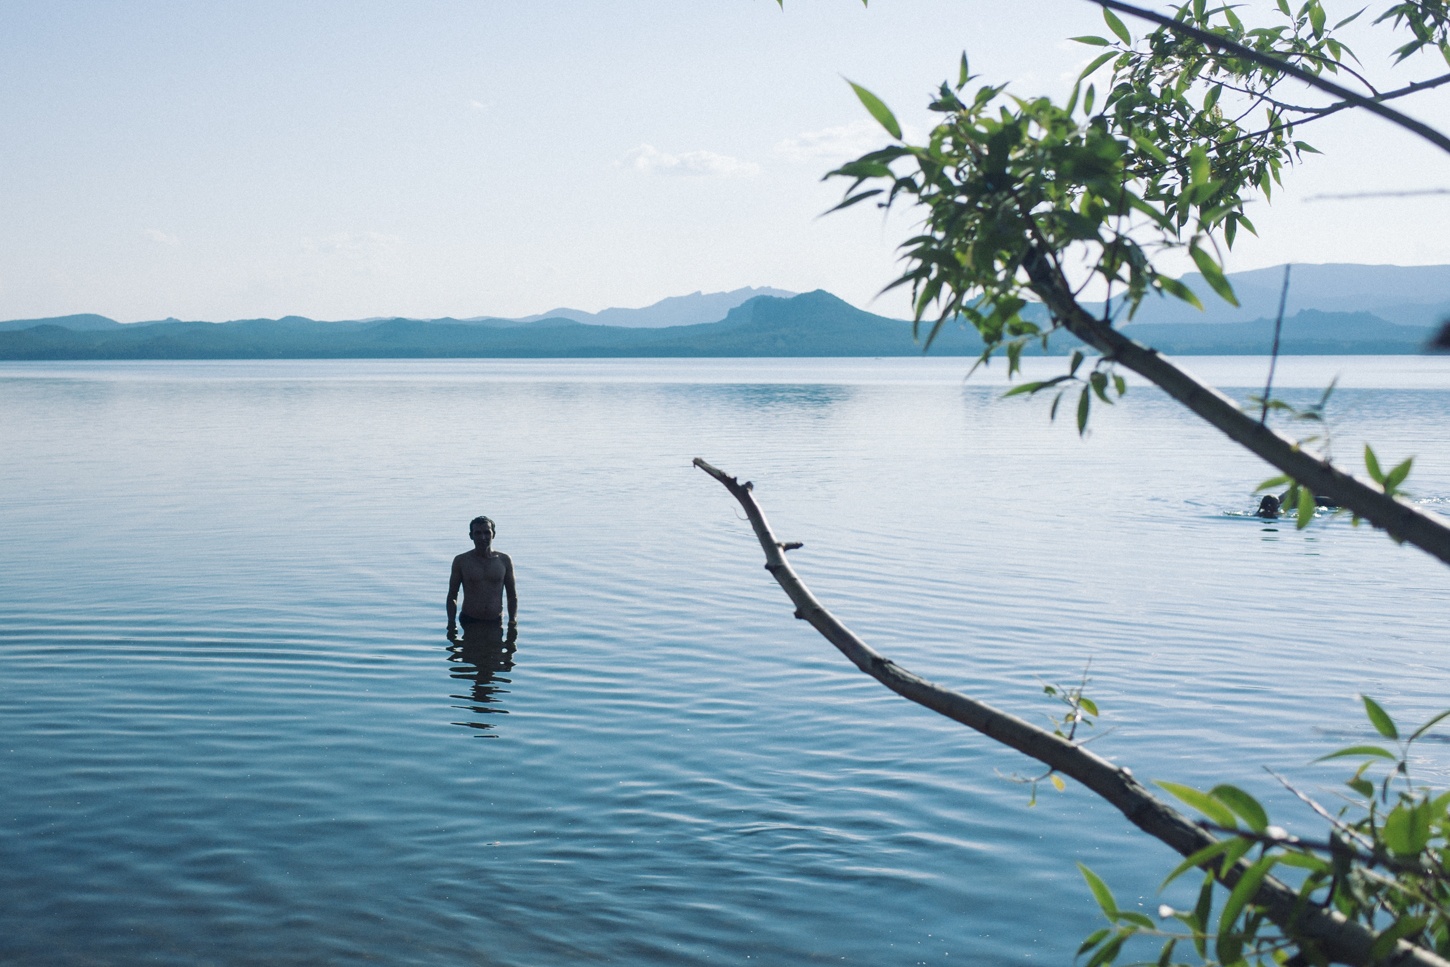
(1274, 356)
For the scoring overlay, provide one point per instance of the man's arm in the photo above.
(508, 588)
(455, 581)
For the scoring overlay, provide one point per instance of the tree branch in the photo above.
(1340, 939)
(1210, 39)
(1402, 521)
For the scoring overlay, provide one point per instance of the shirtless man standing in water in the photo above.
(485, 576)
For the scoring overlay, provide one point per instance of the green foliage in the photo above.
(1096, 383)
(1181, 136)
(1079, 712)
(1427, 21)
(1385, 863)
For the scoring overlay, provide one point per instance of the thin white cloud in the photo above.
(161, 238)
(356, 244)
(478, 106)
(834, 145)
(647, 159)
(358, 253)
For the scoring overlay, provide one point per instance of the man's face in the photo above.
(481, 537)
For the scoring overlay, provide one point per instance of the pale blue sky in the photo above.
(222, 160)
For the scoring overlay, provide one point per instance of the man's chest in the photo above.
(489, 570)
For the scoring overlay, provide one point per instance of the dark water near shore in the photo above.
(232, 731)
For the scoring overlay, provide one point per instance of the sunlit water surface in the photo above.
(232, 730)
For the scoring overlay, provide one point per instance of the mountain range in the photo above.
(1331, 309)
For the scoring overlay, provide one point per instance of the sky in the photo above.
(227, 160)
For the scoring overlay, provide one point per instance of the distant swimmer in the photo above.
(1268, 507)
(1271, 507)
(485, 575)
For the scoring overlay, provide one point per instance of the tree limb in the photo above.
(1341, 940)
(1233, 49)
(1402, 521)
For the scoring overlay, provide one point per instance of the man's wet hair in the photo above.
(492, 530)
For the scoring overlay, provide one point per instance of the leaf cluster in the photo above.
(1385, 863)
(1182, 137)
(1079, 711)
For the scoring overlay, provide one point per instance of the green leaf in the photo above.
(1093, 41)
(1202, 801)
(1137, 919)
(1179, 291)
(1091, 707)
(877, 109)
(1025, 388)
(1273, 483)
(1212, 274)
(1117, 26)
(1202, 910)
(1372, 464)
(1306, 508)
(1093, 939)
(1379, 718)
(1198, 167)
(1108, 952)
(1304, 861)
(1430, 725)
(1238, 848)
(1361, 751)
(1397, 476)
(1407, 828)
(1084, 404)
(853, 199)
(1101, 893)
(963, 75)
(1098, 61)
(1197, 858)
(1403, 927)
(1242, 803)
(1242, 894)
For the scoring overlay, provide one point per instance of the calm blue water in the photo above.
(232, 730)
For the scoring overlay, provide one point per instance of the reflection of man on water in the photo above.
(483, 656)
(485, 575)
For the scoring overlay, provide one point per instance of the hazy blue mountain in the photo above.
(1308, 332)
(1412, 295)
(680, 310)
(80, 322)
(814, 324)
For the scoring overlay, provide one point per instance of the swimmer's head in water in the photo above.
(482, 523)
(1268, 506)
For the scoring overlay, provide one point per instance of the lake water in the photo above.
(232, 730)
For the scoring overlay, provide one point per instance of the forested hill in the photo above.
(813, 324)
